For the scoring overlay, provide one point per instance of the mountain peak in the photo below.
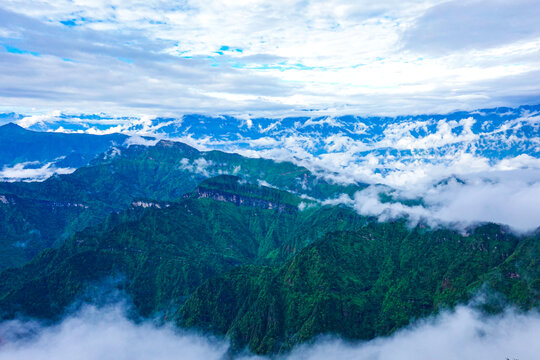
(12, 128)
(177, 145)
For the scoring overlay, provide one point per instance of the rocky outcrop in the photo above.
(8, 199)
(242, 200)
(149, 204)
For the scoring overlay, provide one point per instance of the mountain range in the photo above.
(252, 249)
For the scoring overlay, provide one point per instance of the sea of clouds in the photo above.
(106, 333)
(457, 169)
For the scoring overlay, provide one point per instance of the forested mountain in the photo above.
(112, 181)
(162, 251)
(363, 284)
(245, 248)
(237, 259)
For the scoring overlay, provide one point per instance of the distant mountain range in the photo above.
(495, 133)
(18, 145)
(253, 249)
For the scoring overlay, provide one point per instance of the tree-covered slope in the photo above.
(363, 284)
(111, 182)
(243, 260)
(30, 225)
(162, 251)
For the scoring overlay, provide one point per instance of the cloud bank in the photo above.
(266, 57)
(105, 333)
(463, 334)
(506, 198)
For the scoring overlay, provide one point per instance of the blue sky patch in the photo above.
(14, 50)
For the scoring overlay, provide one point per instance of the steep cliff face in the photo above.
(234, 190)
(149, 204)
(13, 200)
(241, 200)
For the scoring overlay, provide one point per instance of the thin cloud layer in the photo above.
(31, 171)
(472, 24)
(105, 333)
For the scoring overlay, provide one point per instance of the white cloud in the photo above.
(198, 166)
(506, 197)
(139, 140)
(265, 183)
(264, 57)
(469, 24)
(105, 333)
(498, 160)
(32, 120)
(463, 334)
(31, 171)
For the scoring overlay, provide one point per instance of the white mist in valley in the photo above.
(106, 333)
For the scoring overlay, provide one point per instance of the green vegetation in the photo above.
(363, 284)
(194, 238)
(270, 278)
(112, 181)
(165, 253)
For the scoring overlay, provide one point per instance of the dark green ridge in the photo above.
(270, 279)
(165, 252)
(112, 181)
(364, 284)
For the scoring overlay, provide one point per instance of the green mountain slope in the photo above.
(163, 251)
(164, 172)
(30, 225)
(241, 260)
(363, 284)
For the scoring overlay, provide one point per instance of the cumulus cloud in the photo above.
(106, 333)
(139, 140)
(512, 201)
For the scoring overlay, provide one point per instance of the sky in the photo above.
(272, 58)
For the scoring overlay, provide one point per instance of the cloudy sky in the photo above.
(267, 57)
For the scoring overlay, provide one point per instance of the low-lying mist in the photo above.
(107, 333)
